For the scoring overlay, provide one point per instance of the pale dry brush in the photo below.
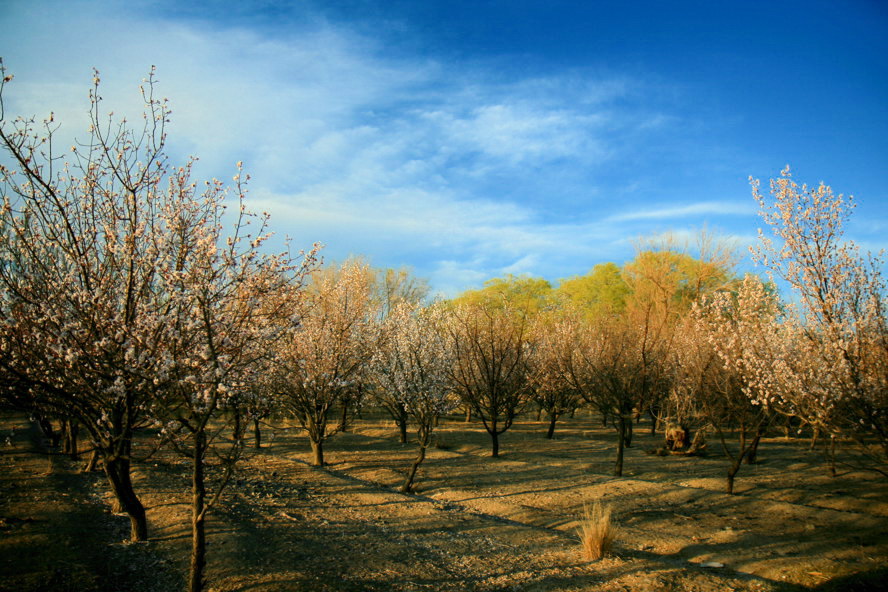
(597, 531)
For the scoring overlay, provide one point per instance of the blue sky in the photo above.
(470, 139)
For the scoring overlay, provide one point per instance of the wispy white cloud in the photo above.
(404, 159)
(705, 208)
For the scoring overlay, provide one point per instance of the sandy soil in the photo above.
(476, 523)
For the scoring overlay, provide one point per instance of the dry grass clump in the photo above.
(597, 531)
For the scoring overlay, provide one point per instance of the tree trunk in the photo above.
(654, 422)
(237, 430)
(317, 450)
(90, 465)
(411, 474)
(343, 419)
(553, 417)
(402, 428)
(732, 472)
(468, 414)
(627, 432)
(70, 428)
(832, 455)
(257, 435)
(118, 472)
(752, 455)
(494, 436)
(539, 413)
(815, 433)
(618, 467)
(198, 530)
(48, 432)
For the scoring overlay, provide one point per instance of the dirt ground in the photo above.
(476, 522)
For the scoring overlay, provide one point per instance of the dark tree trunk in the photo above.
(468, 414)
(752, 455)
(237, 431)
(553, 417)
(118, 472)
(815, 433)
(257, 435)
(70, 428)
(411, 474)
(654, 421)
(831, 451)
(732, 472)
(343, 419)
(317, 451)
(539, 413)
(627, 432)
(618, 467)
(48, 432)
(91, 463)
(198, 526)
(402, 428)
(494, 437)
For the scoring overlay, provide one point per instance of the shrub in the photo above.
(596, 531)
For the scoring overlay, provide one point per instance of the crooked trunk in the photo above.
(117, 470)
(92, 462)
(411, 474)
(198, 530)
(815, 433)
(257, 435)
(752, 457)
(553, 417)
(732, 473)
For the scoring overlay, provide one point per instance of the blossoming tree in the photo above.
(128, 298)
(325, 354)
(85, 239)
(412, 366)
(835, 357)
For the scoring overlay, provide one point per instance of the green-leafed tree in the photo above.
(602, 291)
(521, 294)
(665, 281)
